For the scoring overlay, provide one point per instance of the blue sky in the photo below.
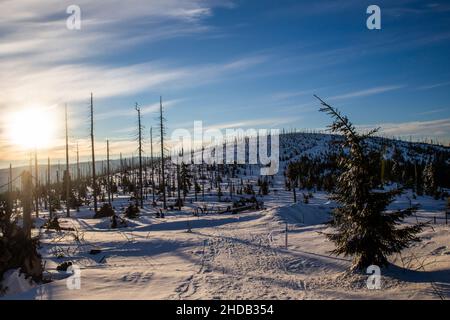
(230, 64)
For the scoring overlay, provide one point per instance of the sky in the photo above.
(228, 63)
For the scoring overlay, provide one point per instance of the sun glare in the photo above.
(32, 128)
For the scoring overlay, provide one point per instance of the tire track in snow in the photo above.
(236, 265)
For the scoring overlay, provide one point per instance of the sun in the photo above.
(32, 128)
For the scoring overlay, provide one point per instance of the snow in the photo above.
(16, 282)
(302, 214)
(229, 256)
(234, 256)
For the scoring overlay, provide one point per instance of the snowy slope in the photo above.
(235, 256)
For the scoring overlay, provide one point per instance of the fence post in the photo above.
(286, 236)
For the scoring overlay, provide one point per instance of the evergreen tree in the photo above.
(72, 202)
(185, 177)
(418, 181)
(264, 188)
(429, 179)
(362, 227)
(397, 161)
(292, 175)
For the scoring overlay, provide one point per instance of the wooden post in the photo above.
(189, 225)
(286, 237)
(27, 202)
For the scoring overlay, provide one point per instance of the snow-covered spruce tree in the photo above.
(362, 227)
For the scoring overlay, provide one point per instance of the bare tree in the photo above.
(141, 185)
(9, 206)
(49, 190)
(94, 183)
(162, 130)
(36, 185)
(108, 173)
(121, 169)
(152, 164)
(67, 168)
(78, 179)
(179, 182)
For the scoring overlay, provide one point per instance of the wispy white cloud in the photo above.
(129, 111)
(73, 83)
(367, 92)
(240, 124)
(435, 85)
(41, 60)
(417, 129)
(44, 63)
(38, 30)
(432, 111)
(290, 94)
(253, 123)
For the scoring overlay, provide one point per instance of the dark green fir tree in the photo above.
(362, 227)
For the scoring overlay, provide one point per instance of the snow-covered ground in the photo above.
(231, 256)
(235, 256)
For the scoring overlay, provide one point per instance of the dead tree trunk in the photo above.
(108, 173)
(163, 178)
(9, 206)
(141, 189)
(121, 170)
(94, 183)
(179, 186)
(36, 185)
(202, 173)
(49, 190)
(152, 164)
(78, 180)
(67, 168)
